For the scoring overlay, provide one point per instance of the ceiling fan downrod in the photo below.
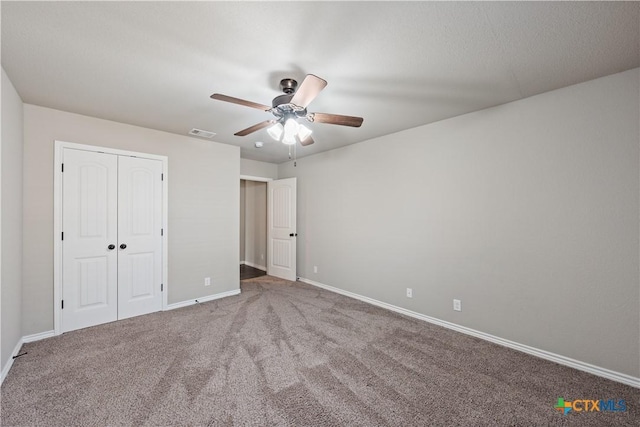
(288, 86)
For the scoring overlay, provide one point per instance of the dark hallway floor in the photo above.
(247, 272)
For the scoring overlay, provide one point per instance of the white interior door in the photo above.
(281, 228)
(139, 236)
(89, 266)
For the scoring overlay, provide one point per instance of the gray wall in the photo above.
(527, 212)
(11, 231)
(256, 224)
(204, 206)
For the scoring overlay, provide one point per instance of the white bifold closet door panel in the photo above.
(139, 226)
(112, 244)
(90, 225)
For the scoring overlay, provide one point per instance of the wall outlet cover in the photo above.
(409, 293)
(457, 305)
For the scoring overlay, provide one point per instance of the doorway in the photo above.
(253, 228)
(273, 250)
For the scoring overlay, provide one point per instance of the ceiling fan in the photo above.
(290, 107)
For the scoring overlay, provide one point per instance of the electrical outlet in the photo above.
(207, 281)
(315, 268)
(457, 305)
(262, 257)
(409, 293)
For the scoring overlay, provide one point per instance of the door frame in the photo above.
(60, 146)
(257, 179)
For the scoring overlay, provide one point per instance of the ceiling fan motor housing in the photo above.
(281, 100)
(283, 109)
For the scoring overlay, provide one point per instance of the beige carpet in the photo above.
(284, 353)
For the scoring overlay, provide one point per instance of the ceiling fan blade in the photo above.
(308, 90)
(336, 119)
(307, 141)
(254, 128)
(225, 98)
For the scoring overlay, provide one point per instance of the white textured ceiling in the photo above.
(397, 64)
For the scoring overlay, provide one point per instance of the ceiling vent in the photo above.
(202, 133)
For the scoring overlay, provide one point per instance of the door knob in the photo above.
(111, 247)
(123, 246)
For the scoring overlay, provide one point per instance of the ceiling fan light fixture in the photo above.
(289, 139)
(290, 128)
(304, 132)
(276, 131)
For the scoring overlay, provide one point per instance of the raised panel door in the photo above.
(89, 271)
(281, 228)
(139, 230)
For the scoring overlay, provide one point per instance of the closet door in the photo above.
(90, 260)
(139, 236)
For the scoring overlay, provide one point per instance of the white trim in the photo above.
(259, 267)
(543, 354)
(16, 350)
(57, 243)
(7, 366)
(38, 337)
(255, 178)
(203, 299)
(5, 369)
(108, 150)
(57, 220)
(165, 232)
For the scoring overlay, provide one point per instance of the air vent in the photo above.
(202, 133)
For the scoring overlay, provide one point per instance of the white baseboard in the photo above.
(28, 338)
(38, 337)
(543, 354)
(258, 266)
(7, 366)
(203, 299)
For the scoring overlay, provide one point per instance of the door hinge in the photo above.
(162, 231)
(161, 177)
(161, 287)
(62, 167)
(62, 235)
(62, 303)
